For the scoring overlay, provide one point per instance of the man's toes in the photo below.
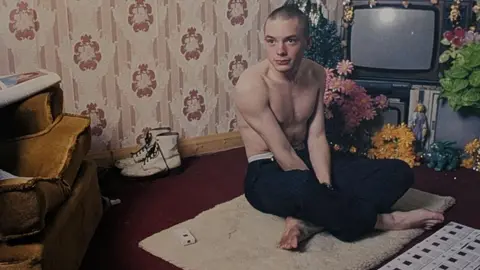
(293, 244)
(435, 221)
(438, 217)
(284, 243)
(429, 224)
(289, 244)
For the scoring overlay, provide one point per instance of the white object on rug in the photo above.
(235, 236)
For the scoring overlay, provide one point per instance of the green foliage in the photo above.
(461, 80)
(326, 46)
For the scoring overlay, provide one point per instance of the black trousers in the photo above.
(362, 189)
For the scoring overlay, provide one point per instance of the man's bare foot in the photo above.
(295, 232)
(419, 218)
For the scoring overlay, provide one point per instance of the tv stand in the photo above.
(391, 89)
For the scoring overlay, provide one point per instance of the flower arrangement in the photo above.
(349, 109)
(470, 153)
(394, 142)
(461, 79)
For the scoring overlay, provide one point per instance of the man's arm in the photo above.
(251, 100)
(317, 140)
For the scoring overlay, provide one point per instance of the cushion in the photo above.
(47, 163)
(67, 234)
(33, 114)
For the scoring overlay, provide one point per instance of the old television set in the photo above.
(390, 42)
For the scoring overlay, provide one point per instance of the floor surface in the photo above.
(151, 206)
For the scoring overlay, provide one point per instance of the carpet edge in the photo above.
(173, 262)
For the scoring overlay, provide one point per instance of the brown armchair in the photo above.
(49, 213)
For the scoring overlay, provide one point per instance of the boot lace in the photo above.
(152, 153)
(148, 141)
(157, 149)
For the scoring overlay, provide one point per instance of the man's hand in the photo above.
(317, 140)
(320, 157)
(252, 103)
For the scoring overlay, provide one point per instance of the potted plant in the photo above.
(460, 80)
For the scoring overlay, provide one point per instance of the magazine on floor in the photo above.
(453, 247)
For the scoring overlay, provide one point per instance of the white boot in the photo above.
(141, 153)
(160, 160)
(169, 145)
(152, 164)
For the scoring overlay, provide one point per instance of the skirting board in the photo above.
(188, 147)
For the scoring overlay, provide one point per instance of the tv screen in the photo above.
(393, 38)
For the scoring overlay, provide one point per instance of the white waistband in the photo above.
(266, 155)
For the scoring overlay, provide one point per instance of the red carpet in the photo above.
(149, 207)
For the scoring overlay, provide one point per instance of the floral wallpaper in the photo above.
(135, 64)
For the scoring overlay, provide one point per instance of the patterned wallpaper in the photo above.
(135, 64)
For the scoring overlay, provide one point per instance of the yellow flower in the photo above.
(394, 142)
(387, 132)
(472, 146)
(467, 163)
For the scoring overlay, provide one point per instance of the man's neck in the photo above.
(288, 77)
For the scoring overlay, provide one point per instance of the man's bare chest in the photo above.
(293, 107)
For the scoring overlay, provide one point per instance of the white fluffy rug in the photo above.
(235, 236)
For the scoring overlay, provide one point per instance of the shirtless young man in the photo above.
(291, 172)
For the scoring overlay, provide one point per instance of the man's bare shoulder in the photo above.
(252, 80)
(250, 95)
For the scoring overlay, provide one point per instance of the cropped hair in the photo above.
(291, 11)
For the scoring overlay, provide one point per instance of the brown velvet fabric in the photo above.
(31, 115)
(55, 101)
(23, 211)
(65, 239)
(52, 158)
(48, 153)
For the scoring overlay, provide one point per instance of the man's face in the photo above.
(285, 43)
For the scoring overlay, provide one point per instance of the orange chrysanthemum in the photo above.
(394, 142)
